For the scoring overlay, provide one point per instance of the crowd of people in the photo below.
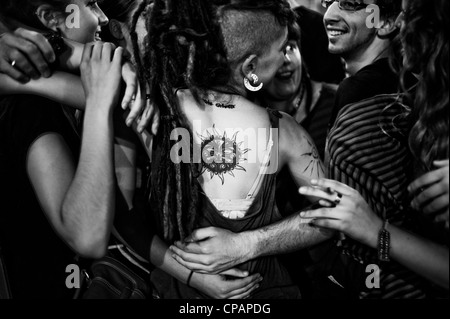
(227, 148)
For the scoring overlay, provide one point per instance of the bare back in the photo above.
(236, 142)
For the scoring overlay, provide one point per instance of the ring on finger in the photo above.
(13, 63)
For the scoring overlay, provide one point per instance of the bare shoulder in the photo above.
(294, 140)
(291, 132)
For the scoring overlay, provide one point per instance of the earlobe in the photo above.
(388, 29)
(115, 29)
(249, 66)
(49, 17)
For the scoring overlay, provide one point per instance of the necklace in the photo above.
(218, 104)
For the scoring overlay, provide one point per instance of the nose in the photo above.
(287, 58)
(102, 18)
(332, 14)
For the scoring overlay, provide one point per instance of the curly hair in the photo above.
(120, 10)
(390, 9)
(186, 48)
(425, 38)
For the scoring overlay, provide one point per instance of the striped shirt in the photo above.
(367, 150)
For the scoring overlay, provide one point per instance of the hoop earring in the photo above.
(253, 87)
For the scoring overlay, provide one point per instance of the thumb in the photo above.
(235, 272)
(440, 164)
(201, 234)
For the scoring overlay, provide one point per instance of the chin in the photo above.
(335, 50)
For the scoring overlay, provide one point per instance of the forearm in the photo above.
(420, 255)
(161, 257)
(288, 235)
(88, 208)
(61, 87)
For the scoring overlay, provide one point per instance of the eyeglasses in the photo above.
(347, 5)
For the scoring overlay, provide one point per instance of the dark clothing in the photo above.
(35, 255)
(322, 66)
(316, 122)
(374, 79)
(277, 283)
(368, 151)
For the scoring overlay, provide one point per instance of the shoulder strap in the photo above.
(275, 117)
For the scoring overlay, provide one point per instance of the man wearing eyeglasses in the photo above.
(365, 48)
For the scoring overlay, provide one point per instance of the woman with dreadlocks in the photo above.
(127, 28)
(203, 62)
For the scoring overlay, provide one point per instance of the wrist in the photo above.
(195, 280)
(58, 45)
(384, 243)
(189, 279)
(250, 245)
(98, 105)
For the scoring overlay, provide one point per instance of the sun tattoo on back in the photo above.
(314, 166)
(220, 154)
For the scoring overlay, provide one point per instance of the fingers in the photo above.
(318, 192)
(200, 268)
(137, 105)
(21, 63)
(433, 192)
(327, 223)
(424, 180)
(189, 260)
(329, 213)
(130, 79)
(235, 272)
(12, 72)
(194, 248)
(40, 41)
(108, 52)
(117, 57)
(129, 95)
(87, 52)
(156, 121)
(245, 292)
(333, 185)
(150, 115)
(31, 52)
(201, 234)
(437, 205)
(38, 50)
(442, 163)
(443, 218)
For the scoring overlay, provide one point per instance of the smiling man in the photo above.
(364, 48)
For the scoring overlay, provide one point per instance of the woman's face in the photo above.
(91, 18)
(287, 80)
(270, 62)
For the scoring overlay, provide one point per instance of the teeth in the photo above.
(335, 33)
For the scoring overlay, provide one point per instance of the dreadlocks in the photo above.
(185, 48)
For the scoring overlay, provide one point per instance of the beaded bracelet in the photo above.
(384, 240)
(56, 41)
